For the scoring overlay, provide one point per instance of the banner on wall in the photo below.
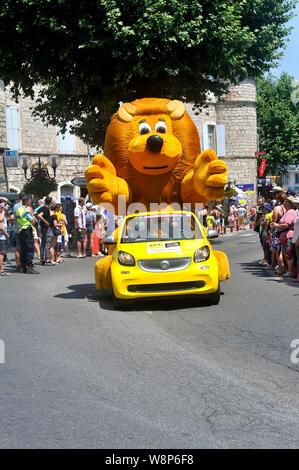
(246, 187)
(262, 167)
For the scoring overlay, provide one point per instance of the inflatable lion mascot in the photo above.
(152, 155)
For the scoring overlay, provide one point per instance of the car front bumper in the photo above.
(131, 282)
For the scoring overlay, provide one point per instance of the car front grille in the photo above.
(174, 264)
(166, 287)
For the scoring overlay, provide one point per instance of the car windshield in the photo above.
(160, 227)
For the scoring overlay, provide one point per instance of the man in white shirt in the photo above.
(80, 226)
(242, 214)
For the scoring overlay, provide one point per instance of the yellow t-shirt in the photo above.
(60, 217)
(210, 220)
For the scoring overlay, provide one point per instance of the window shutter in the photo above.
(220, 140)
(66, 142)
(205, 138)
(12, 128)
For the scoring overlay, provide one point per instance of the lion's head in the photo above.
(153, 135)
(151, 141)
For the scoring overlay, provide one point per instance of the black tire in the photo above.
(213, 299)
(120, 304)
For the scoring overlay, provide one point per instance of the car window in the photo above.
(151, 227)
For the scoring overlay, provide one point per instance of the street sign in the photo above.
(11, 158)
(259, 153)
(79, 181)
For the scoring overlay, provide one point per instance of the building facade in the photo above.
(291, 177)
(227, 126)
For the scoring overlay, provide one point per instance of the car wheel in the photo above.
(120, 304)
(213, 299)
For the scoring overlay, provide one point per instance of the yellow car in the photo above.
(163, 254)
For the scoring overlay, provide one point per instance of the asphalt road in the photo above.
(78, 374)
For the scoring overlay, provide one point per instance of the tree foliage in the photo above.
(40, 184)
(278, 121)
(90, 55)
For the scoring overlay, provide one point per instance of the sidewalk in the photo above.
(235, 232)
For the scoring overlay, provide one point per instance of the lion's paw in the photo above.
(210, 176)
(101, 180)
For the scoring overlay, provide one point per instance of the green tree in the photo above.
(278, 121)
(40, 187)
(90, 55)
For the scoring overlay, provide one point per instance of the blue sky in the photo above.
(290, 61)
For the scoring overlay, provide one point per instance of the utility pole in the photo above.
(4, 168)
(88, 154)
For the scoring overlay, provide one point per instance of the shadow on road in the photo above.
(152, 305)
(81, 291)
(104, 297)
(257, 270)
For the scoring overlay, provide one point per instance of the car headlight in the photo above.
(202, 254)
(125, 259)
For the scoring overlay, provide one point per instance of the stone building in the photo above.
(291, 177)
(228, 126)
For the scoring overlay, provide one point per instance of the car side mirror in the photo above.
(109, 241)
(212, 234)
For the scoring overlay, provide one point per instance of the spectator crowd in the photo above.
(276, 220)
(43, 228)
(217, 218)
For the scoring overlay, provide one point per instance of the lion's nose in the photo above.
(154, 143)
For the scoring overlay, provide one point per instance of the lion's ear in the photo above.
(176, 109)
(126, 112)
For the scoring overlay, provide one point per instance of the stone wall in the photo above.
(35, 136)
(237, 112)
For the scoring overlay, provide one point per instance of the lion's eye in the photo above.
(144, 128)
(161, 128)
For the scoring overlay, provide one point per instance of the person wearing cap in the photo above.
(285, 227)
(90, 217)
(25, 223)
(3, 199)
(276, 190)
(295, 240)
(44, 215)
(80, 225)
(290, 192)
(242, 212)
